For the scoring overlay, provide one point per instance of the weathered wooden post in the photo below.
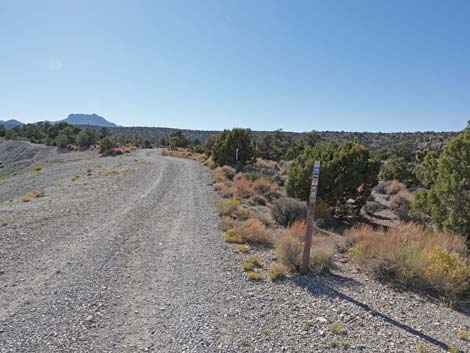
(310, 218)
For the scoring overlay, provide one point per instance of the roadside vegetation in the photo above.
(400, 213)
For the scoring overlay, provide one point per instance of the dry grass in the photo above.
(401, 202)
(255, 275)
(31, 195)
(395, 186)
(322, 254)
(289, 249)
(263, 186)
(223, 188)
(184, 153)
(289, 252)
(266, 163)
(413, 257)
(227, 207)
(209, 162)
(296, 230)
(241, 187)
(252, 232)
(277, 271)
(224, 174)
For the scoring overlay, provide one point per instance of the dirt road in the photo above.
(125, 254)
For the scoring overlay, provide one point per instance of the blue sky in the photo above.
(213, 64)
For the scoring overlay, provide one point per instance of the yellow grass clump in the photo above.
(412, 256)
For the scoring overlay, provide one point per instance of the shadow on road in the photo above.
(327, 286)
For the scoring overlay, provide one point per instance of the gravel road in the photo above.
(128, 257)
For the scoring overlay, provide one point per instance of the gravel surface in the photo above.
(130, 257)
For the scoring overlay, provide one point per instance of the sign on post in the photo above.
(310, 217)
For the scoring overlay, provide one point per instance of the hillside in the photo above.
(10, 124)
(88, 119)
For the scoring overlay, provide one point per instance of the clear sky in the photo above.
(264, 64)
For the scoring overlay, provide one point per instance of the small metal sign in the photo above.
(310, 217)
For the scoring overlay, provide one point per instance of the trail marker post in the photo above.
(310, 217)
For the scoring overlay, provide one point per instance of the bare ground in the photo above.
(129, 258)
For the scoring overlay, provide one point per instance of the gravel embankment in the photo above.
(131, 259)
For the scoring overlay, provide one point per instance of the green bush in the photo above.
(86, 138)
(224, 148)
(106, 144)
(347, 172)
(398, 169)
(286, 211)
(448, 200)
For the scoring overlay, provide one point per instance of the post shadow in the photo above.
(328, 290)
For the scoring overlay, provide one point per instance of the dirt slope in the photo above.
(129, 258)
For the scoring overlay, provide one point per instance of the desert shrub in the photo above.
(337, 328)
(463, 335)
(66, 137)
(229, 172)
(241, 187)
(413, 257)
(289, 252)
(322, 254)
(255, 275)
(395, 186)
(227, 222)
(252, 232)
(262, 186)
(453, 349)
(260, 200)
(242, 213)
(227, 207)
(286, 211)
(347, 172)
(277, 271)
(107, 144)
(86, 138)
(296, 230)
(249, 264)
(232, 237)
(224, 189)
(36, 169)
(423, 347)
(226, 144)
(401, 202)
(209, 162)
(224, 174)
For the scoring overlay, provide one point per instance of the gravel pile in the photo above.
(131, 259)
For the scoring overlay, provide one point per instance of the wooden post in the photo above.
(310, 218)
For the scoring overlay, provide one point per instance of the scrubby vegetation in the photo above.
(347, 174)
(263, 205)
(414, 257)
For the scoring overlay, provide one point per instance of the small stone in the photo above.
(321, 320)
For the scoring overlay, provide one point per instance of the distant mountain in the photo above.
(10, 124)
(88, 119)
